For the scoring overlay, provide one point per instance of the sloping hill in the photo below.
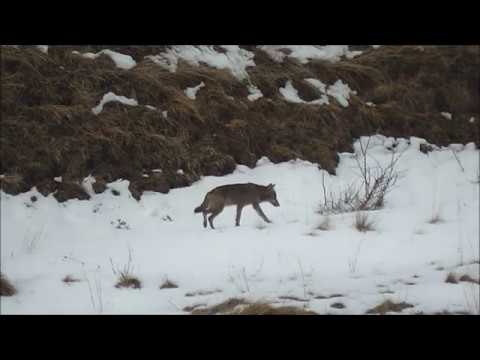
(244, 103)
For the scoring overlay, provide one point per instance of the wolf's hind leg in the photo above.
(204, 219)
(213, 216)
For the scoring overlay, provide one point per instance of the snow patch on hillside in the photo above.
(305, 53)
(112, 97)
(122, 61)
(255, 93)
(339, 91)
(191, 92)
(231, 57)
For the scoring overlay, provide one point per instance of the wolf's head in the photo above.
(270, 195)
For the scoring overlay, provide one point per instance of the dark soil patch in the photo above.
(338, 305)
(293, 298)
(321, 297)
(69, 279)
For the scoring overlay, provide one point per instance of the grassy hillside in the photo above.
(49, 129)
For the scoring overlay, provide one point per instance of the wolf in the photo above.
(239, 195)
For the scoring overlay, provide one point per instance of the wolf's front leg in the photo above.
(259, 211)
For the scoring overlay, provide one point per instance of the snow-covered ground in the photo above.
(405, 259)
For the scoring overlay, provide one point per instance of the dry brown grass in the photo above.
(236, 306)
(363, 223)
(6, 287)
(48, 128)
(266, 309)
(389, 306)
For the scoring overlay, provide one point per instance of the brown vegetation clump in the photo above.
(167, 284)
(389, 306)
(6, 288)
(468, 278)
(236, 306)
(451, 279)
(69, 279)
(49, 129)
(128, 281)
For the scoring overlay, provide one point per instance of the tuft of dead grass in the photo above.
(451, 278)
(6, 287)
(167, 284)
(128, 281)
(363, 223)
(389, 306)
(436, 219)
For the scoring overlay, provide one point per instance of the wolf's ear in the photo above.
(270, 186)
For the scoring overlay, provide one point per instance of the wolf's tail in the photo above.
(201, 207)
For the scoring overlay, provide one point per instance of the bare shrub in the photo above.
(6, 288)
(363, 222)
(375, 182)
